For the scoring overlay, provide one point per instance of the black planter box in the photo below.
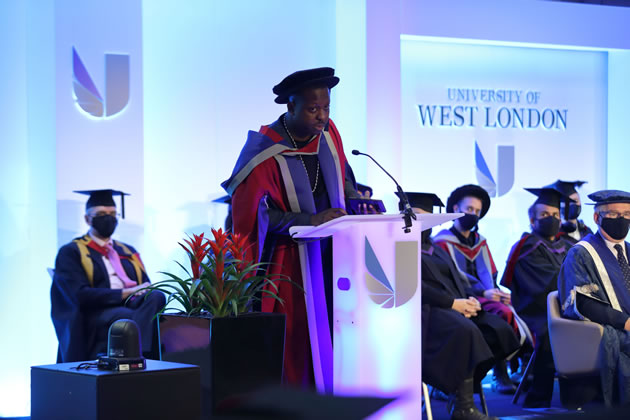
(237, 355)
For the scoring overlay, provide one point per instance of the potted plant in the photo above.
(238, 350)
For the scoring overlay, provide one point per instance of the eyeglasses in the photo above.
(615, 214)
(105, 213)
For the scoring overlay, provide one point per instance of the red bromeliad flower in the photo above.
(219, 248)
(198, 249)
(216, 263)
(237, 247)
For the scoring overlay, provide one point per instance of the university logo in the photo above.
(380, 289)
(116, 90)
(504, 171)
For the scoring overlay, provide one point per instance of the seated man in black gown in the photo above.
(460, 340)
(531, 274)
(94, 276)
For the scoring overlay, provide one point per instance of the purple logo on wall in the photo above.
(116, 95)
(504, 173)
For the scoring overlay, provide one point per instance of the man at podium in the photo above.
(292, 172)
(460, 340)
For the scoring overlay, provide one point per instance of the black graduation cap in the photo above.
(104, 198)
(609, 197)
(226, 199)
(294, 82)
(424, 201)
(548, 196)
(469, 190)
(566, 187)
(363, 188)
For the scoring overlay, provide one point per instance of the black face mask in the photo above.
(104, 225)
(574, 211)
(547, 226)
(426, 235)
(468, 221)
(616, 228)
(568, 227)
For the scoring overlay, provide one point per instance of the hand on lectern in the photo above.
(365, 208)
(327, 215)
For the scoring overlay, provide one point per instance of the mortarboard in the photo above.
(548, 196)
(566, 187)
(294, 82)
(104, 198)
(469, 190)
(609, 197)
(424, 201)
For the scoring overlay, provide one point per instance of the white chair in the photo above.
(576, 351)
(575, 344)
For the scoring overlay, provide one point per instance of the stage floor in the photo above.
(498, 405)
(501, 405)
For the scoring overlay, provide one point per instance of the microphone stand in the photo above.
(408, 213)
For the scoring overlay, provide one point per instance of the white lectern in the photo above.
(377, 307)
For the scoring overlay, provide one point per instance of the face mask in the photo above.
(574, 211)
(468, 221)
(569, 227)
(616, 228)
(547, 226)
(426, 234)
(104, 225)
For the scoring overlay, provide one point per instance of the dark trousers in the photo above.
(139, 309)
(544, 371)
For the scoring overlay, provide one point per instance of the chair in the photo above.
(521, 385)
(575, 347)
(426, 402)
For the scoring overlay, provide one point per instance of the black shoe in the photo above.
(502, 387)
(501, 382)
(470, 413)
(462, 405)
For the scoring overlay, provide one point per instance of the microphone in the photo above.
(408, 212)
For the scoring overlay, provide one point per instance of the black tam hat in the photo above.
(424, 201)
(293, 83)
(104, 198)
(469, 190)
(566, 187)
(549, 196)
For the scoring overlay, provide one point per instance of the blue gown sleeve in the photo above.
(601, 313)
(580, 291)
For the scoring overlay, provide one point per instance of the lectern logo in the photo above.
(116, 95)
(380, 289)
(504, 172)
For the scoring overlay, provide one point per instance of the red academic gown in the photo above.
(269, 173)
